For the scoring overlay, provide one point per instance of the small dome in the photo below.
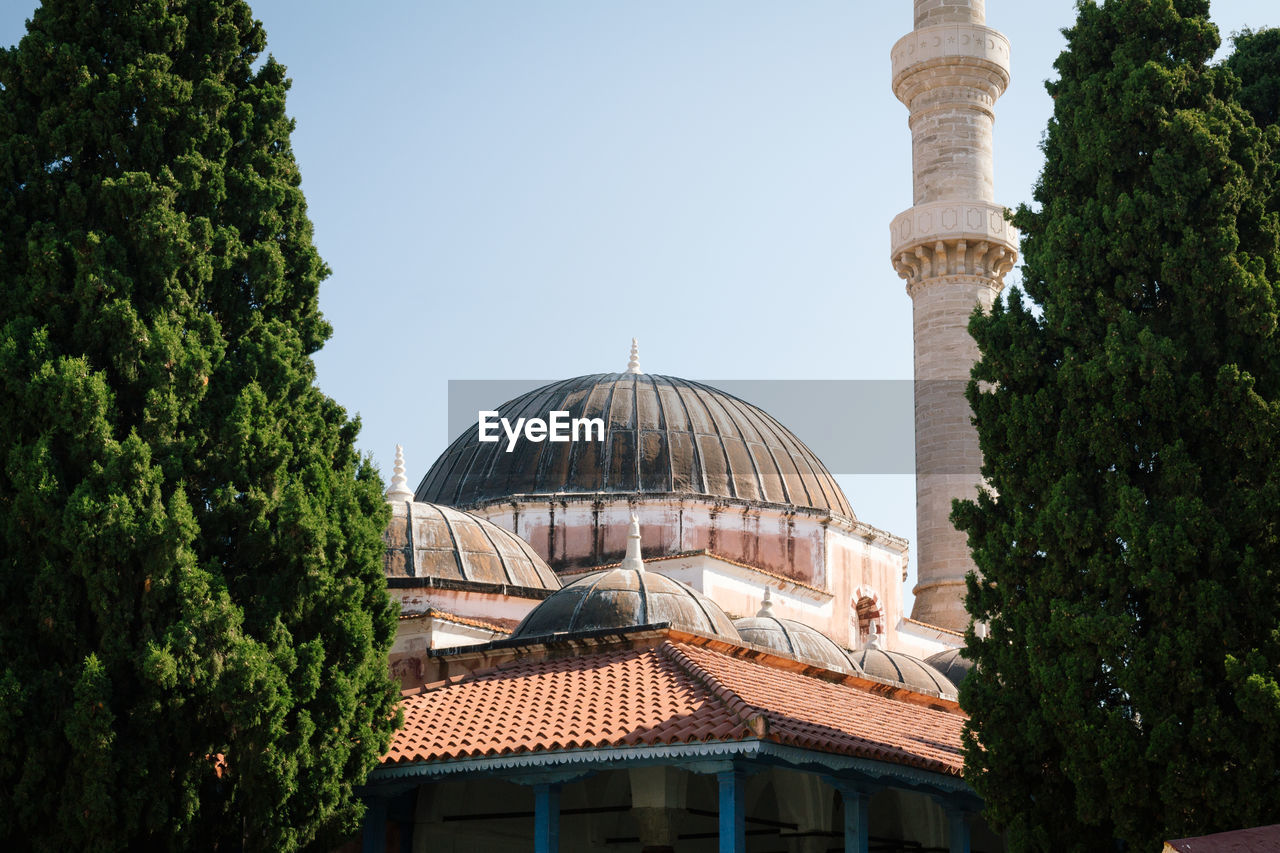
(663, 436)
(432, 541)
(792, 638)
(623, 598)
(950, 664)
(903, 668)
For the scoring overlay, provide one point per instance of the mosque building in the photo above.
(675, 634)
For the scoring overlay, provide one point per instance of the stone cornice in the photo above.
(955, 46)
(949, 238)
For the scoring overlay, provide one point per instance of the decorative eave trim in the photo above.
(401, 582)
(821, 514)
(604, 758)
(795, 756)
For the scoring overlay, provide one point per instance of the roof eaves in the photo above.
(587, 758)
(937, 628)
(684, 555)
(445, 615)
(428, 582)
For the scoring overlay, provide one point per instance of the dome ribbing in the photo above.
(425, 540)
(663, 435)
(625, 598)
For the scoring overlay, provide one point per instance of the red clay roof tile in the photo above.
(673, 693)
(1255, 840)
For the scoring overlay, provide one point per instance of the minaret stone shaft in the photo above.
(953, 247)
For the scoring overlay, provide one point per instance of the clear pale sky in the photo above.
(513, 189)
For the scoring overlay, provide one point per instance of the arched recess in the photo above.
(865, 608)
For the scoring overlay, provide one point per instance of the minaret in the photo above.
(953, 247)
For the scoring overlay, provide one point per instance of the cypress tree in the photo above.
(193, 620)
(1255, 59)
(1129, 417)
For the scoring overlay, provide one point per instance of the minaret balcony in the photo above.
(953, 238)
(949, 57)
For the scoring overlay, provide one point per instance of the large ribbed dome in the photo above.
(428, 541)
(624, 598)
(662, 435)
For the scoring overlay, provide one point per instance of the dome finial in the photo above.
(399, 490)
(633, 559)
(633, 366)
(873, 641)
(766, 605)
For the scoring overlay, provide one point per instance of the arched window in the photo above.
(865, 607)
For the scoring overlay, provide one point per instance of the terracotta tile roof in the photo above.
(1255, 840)
(618, 698)
(837, 717)
(671, 693)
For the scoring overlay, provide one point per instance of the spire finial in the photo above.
(766, 605)
(633, 366)
(633, 559)
(399, 490)
(873, 641)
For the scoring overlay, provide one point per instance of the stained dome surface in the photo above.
(902, 668)
(663, 435)
(428, 540)
(951, 664)
(624, 598)
(795, 639)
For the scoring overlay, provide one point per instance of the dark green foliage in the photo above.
(193, 623)
(1128, 688)
(1255, 59)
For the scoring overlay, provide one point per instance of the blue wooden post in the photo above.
(857, 819)
(546, 817)
(733, 822)
(403, 809)
(958, 829)
(373, 829)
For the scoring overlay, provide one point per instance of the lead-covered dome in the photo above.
(663, 435)
(792, 638)
(951, 664)
(903, 668)
(624, 598)
(430, 541)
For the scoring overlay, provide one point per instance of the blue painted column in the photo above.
(546, 817)
(373, 829)
(403, 810)
(958, 829)
(857, 820)
(733, 819)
